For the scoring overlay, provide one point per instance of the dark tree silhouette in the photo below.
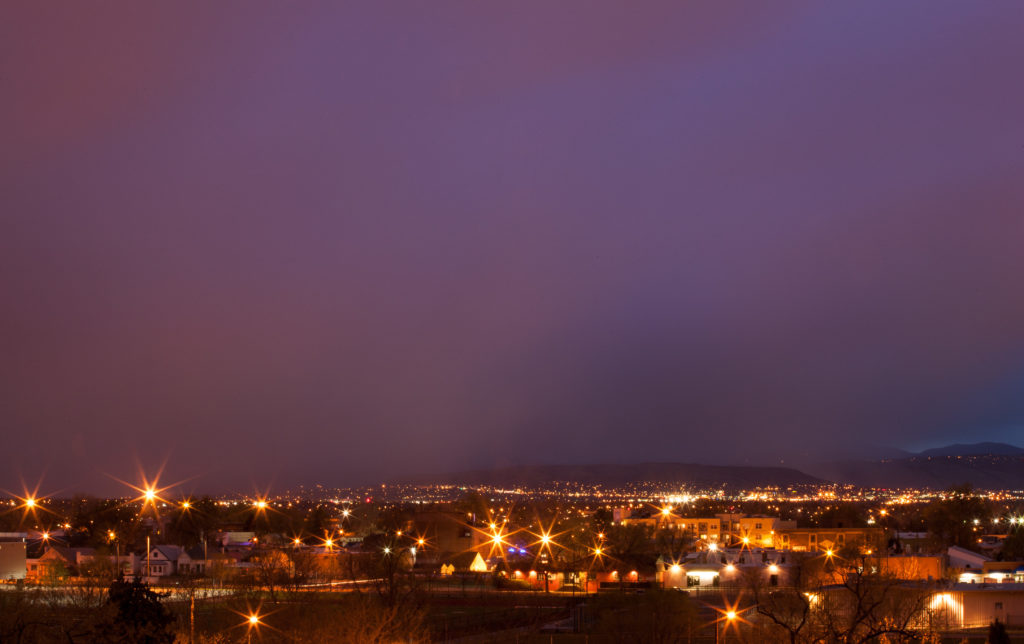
(135, 615)
(997, 633)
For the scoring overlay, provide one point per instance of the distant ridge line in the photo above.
(691, 474)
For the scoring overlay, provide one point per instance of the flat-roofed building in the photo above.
(12, 555)
(826, 539)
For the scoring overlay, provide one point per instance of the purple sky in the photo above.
(338, 242)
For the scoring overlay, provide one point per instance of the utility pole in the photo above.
(148, 554)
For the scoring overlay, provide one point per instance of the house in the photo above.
(163, 561)
(57, 562)
(192, 561)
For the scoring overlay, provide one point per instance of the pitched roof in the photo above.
(170, 553)
(462, 560)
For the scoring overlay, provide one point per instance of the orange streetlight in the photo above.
(253, 623)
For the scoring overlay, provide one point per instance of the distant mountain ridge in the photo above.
(683, 474)
(993, 466)
(986, 465)
(974, 449)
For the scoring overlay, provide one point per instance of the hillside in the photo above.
(995, 466)
(682, 474)
(974, 449)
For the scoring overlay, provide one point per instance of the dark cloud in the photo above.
(341, 243)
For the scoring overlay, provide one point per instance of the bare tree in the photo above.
(829, 599)
(273, 569)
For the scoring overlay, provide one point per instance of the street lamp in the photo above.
(253, 623)
(727, 619)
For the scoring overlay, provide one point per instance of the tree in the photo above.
(190, 526)
(317, 521)
(601, 520)
(831, 599)
(273, 569)
(1013, 546)
(629, 544)
(135, 615)
(997, 633)
(951, 521)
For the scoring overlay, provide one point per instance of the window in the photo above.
(757, 526)
(999, 605)
(773, 580)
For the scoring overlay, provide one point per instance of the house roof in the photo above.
(170, 553)
(68, 554)
(966, 554)
(460, 560)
